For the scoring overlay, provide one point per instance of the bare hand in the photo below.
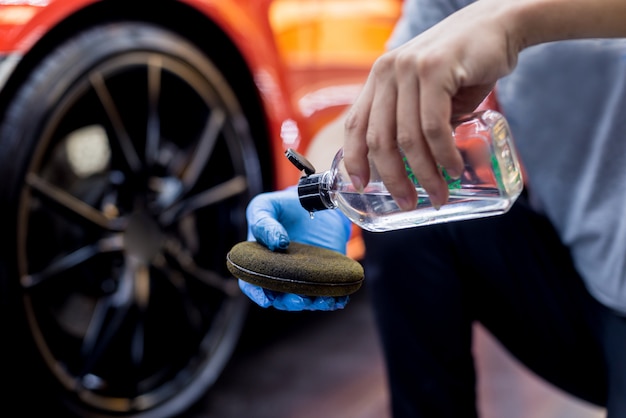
(413, 92)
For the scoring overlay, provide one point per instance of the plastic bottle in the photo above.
(491, 182)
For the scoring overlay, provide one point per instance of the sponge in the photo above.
(302, 269)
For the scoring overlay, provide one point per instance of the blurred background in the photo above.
(329, 364)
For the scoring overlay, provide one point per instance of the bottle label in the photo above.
(504, 166)
(491, 169)
(452, 183)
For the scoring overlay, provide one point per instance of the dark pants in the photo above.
(512, 274)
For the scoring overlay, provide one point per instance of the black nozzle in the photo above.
(300, 162)
(312, 197)
(310, 193)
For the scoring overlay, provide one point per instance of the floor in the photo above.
(328, 364)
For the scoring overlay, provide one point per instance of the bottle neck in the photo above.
(314, 192)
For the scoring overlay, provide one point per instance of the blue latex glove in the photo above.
(277, 218)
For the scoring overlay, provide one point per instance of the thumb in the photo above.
(269, 232)
(262, 215)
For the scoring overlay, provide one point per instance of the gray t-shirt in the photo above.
(566, 105)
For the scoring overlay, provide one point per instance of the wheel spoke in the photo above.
(73, 205)
(194, 316)
(137, 343)
(114, 117)
(189, 266)
(73, 259)
(105, 321)
(109, 316)
(203, 151)
(155, 67)
(141, 300)
(216, 194)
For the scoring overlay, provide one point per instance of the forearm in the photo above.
(531, 22)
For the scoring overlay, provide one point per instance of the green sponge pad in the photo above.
(302, 269)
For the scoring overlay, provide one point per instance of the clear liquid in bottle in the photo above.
(490, 184)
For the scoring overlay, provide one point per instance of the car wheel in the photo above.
(127, 165)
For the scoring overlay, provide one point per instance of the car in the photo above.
(132, 137)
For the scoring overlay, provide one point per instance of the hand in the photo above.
(290, 301)
(412, 94)
(276, 218)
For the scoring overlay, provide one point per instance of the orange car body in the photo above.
(308, 57)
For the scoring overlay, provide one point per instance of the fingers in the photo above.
(294, 302)
(436, 90)
(263, 224)
(355, 129)
(405, 109)
(270, 233)
(370, 136)
(381, 138)
(255, 293)
(411, 137)
(289, 301)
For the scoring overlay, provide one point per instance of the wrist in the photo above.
(532, 22)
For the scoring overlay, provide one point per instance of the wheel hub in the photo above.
(143, 238)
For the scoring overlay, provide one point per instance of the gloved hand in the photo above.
(277, 218)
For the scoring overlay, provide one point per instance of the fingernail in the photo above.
(357, 183)
(405, 204)
(455, 174)
(273, 238)
(436, 200)
(283, 242)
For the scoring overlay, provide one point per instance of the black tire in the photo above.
(127, 165)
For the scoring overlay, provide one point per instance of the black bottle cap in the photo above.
(310, 193)
(300, 161)
(312, 197)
